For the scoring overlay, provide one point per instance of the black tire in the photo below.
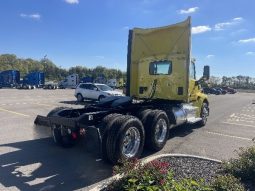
(80, 98)
(142, 115)
(107, 123)
(116, 136)
(65, 141)
(56, 135)
(101, 97)
(203, 114)
(152, 142)
(62, 140)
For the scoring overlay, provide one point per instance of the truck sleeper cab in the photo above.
(162, 93)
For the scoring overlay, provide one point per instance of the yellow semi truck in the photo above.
(162, 93)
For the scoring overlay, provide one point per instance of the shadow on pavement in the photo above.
(41, 165)
(180, 131)
(183, 130)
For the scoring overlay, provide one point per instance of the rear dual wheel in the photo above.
(125, 139)
(60, 136)
(156, 126)
(107, 124)
(125, 135)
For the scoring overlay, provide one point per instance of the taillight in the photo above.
(74, 135)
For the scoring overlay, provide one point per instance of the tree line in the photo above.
(53, 72)
(237, 82)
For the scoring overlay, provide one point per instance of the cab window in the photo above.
(160, 68)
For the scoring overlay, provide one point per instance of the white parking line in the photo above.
(232, 115)
(240, 119)
(13, 112)
(249, 116)
(239, 124)
(240, 116)
(43, 104)
(231, 136)
(24, 103)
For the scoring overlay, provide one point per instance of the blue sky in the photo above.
(91, 33)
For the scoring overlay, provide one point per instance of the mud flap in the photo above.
(41, 120)
(92, 140)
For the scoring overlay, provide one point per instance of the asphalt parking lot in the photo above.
(29, 160)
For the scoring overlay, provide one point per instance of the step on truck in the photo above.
(162, 93)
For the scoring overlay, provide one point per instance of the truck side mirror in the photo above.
(206, 73)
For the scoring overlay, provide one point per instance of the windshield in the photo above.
(104, 87)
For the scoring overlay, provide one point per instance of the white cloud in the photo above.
(224, 25)
(72, 1)
(250, 53)
(238, 19)
(210, 56)
(247, 40)
(200, 29)
(35, 16)
(189, 10)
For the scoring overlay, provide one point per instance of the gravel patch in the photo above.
(195, 168)
(192, 167)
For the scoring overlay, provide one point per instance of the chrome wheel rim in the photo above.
(131, 142)
(161, 130)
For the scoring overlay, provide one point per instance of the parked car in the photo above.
(221, 90)
(94, 91)
(229, 90)
(211, 91)
(207, 90)
(215, 91)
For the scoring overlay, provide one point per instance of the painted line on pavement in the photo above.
(13, 112)
(249, 116)
(231, 136)
(42, 104)
(239, 124)
(240, 119)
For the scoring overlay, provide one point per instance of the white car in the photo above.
(94, 91)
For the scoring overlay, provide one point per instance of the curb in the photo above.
(98, 186)
(149, 159)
